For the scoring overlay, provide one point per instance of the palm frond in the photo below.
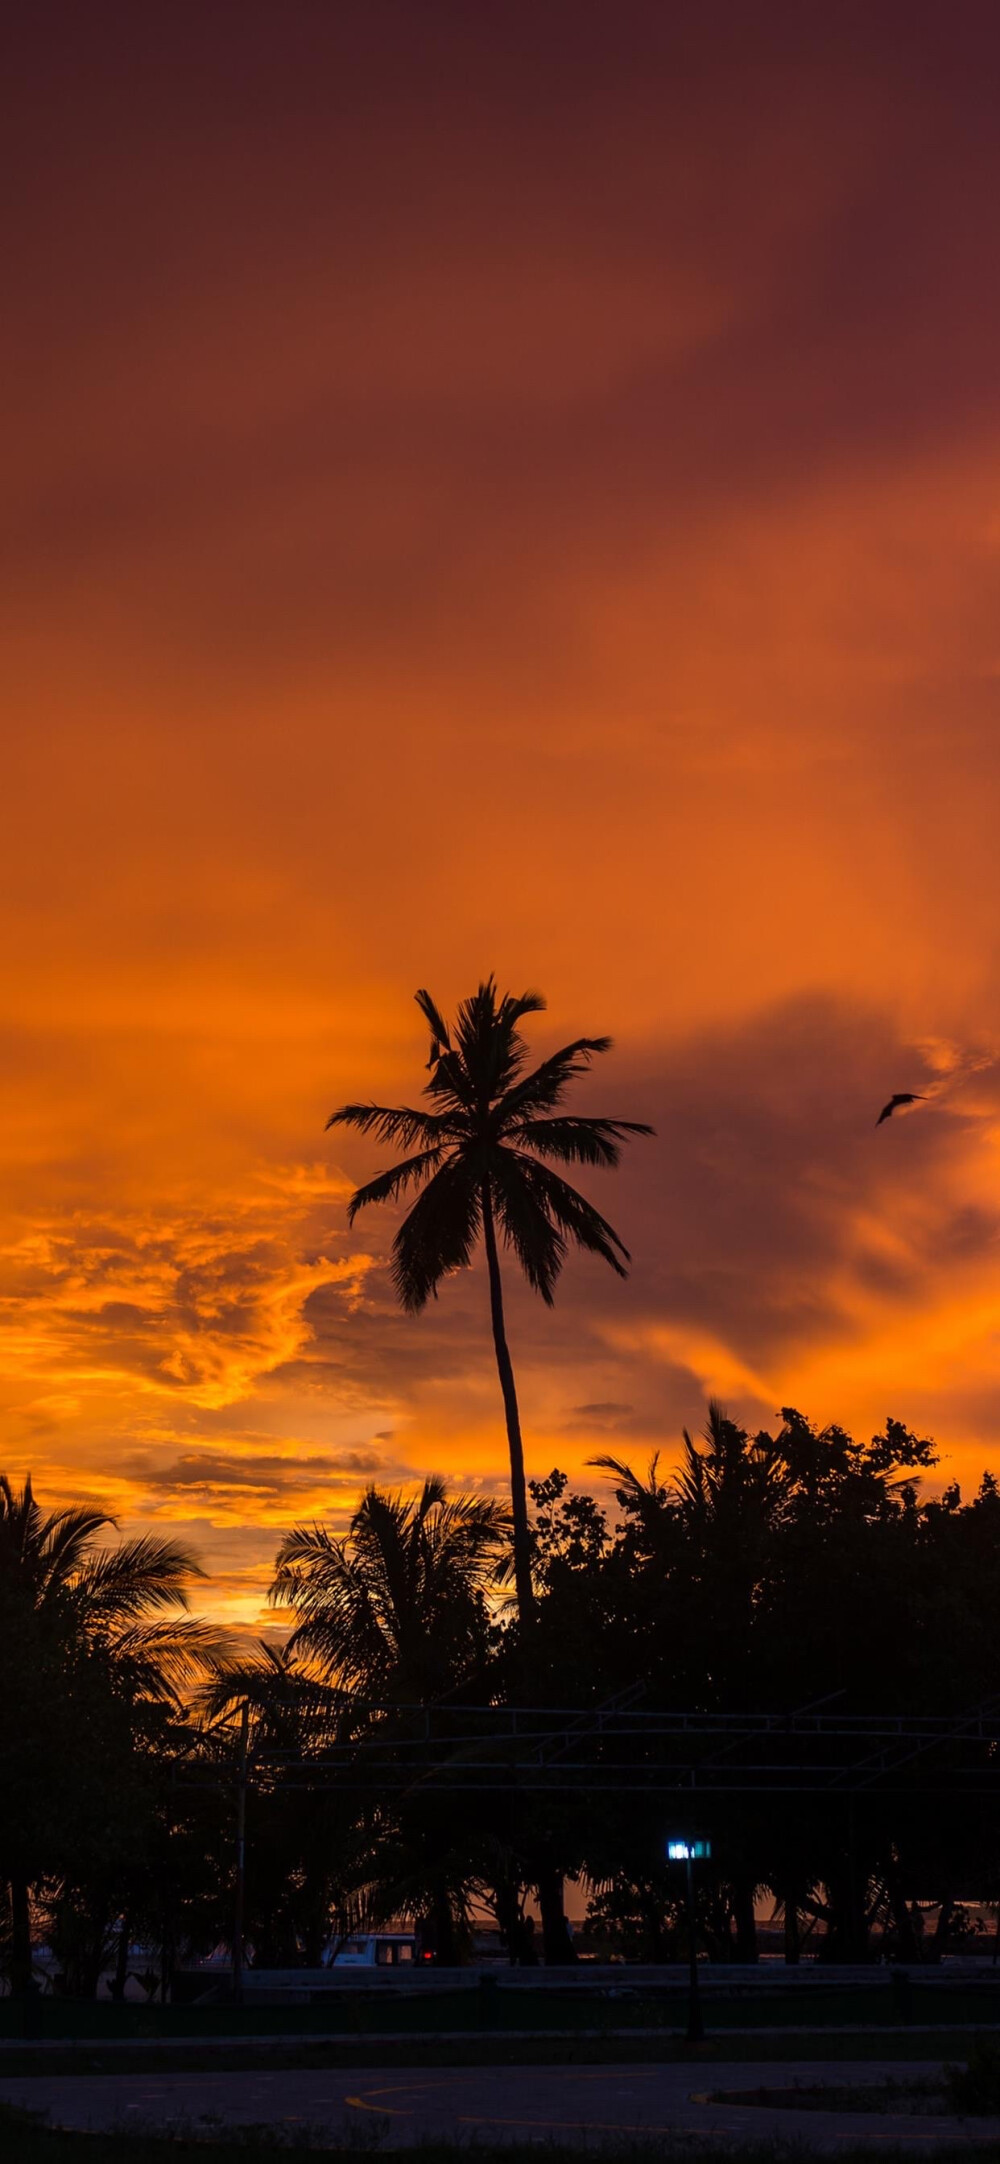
(45, 1553)
(392, 1124)
(232, 1681)
(619, 1469)
(573, 1214)
(121, 1583)
(514, 1010)
(67, 1536)
(451, 1088)
(452, 1084)
(168, 1657)
(526, 1222)
(297, 1546)
(651, 1504)
(433, 1017)
(286, 1701)
(439, 1233)
(491, 1046)
(432, 1494)
(388, 1186)
(20, 1515)
(652, 1489)
(385, 1532)
(327, 1589)
(574, 1140)
(399, 1606)
(545, 1087)
(345, 1648)
(309, 1566)
(470, 1537)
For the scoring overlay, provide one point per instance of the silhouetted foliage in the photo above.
(768, 1573)
(94, 1649)
(400, 1608)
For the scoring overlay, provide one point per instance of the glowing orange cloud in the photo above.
(495, 500)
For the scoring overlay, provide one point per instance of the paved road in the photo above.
(547, 2104)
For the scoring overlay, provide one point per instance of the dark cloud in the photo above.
(116, 1316)
(272, 1476)
(764, 1221)
(606, 1417)
(829, 243)
(770, 1176)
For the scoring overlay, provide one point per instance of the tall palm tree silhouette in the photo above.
(482, 1163)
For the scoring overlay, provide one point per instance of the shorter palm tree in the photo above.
(71, 1610)
(130, 1599)
(275, 1715)
(399, 1611)
(737, 1484)
(400, 1608)
(290, 1710)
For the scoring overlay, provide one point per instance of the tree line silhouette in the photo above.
(771, 1571)
(770, 1574)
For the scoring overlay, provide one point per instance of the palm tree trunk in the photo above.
(120, 1978)
(518, 1492)
(793, 1943)
(20, 1936)
(557, 1939)
(745, 1919)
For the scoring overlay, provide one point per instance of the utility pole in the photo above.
(241, 1842)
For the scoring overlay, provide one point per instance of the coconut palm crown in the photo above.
(400, 1608)
(125, 1597)
(481, 1157)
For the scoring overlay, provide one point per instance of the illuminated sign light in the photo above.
(688, 1851)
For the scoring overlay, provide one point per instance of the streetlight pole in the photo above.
(685, 1852)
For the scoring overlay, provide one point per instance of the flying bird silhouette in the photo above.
(902, 1097)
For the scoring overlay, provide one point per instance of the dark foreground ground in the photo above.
(122, 2118)
(34, 2146)
(508, 2072)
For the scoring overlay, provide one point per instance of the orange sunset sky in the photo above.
(505, 488)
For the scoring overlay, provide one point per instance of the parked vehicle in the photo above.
(374, 1950)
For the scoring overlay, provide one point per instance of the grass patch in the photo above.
(496, 2009)
(975, 2087)
(25, 2140)
(328, 2054)
(922, 2099)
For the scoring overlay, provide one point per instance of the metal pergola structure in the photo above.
(618, 1749)
(505, 1752)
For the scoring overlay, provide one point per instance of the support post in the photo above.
(696, 2025)
(241, 1837)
